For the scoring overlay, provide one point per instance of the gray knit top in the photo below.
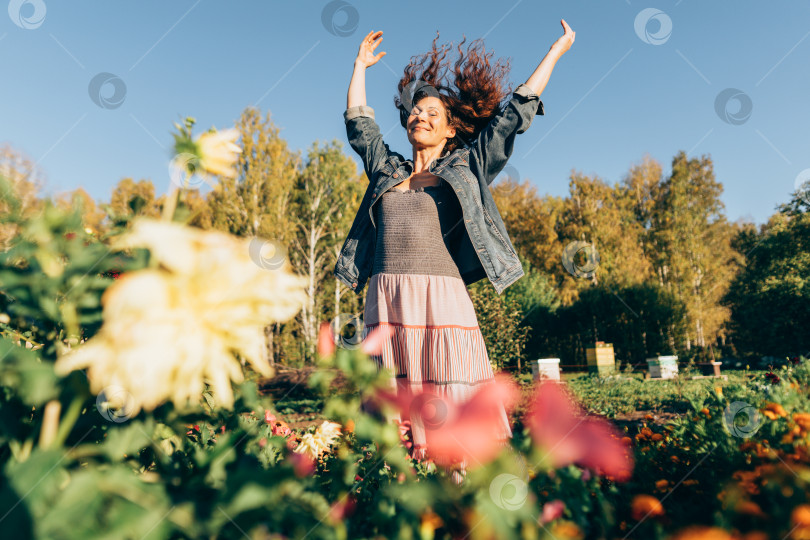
(416, 229)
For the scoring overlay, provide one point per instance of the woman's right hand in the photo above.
(365, 56)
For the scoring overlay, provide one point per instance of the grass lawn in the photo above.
(625, 399)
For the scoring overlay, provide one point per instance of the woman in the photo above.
(428, 227)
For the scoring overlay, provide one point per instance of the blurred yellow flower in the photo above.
(310, 446)
(328, 432)
(315, 444)
(217, 152)
(168, 330)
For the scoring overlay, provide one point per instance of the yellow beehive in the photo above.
(600, 358)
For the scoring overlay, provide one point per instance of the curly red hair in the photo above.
(475, 95)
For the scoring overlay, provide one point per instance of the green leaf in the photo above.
(32, 380)
(128, 438)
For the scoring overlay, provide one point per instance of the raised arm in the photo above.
(365, 58)
(493, 146)
(539, 79)
(361, 128)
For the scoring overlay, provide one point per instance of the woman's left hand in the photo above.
(566, 40)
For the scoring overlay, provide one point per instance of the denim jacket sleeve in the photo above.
(365, 138)
(493, 146)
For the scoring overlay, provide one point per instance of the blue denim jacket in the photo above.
(485, 250)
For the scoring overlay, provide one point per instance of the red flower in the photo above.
(280, 427)
(302, 464)
(469, 431)
(269, 417)
(326, 341)
(405, 434)
(342, 509)
(376, 339)
(773, 378)
(561, 429)
(551, 511)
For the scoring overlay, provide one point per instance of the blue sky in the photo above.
(623, 90)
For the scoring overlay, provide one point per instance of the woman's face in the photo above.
(427, 125)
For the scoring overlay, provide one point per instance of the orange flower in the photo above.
(699, 532)
(349, 426)
(747, 481)
(627, 441)
(662, 485)
(800, 533)
(747, 445)
(705, 411)
(774, 411)
(647, 432)
(751, 508)
(566, 529)
(800, 517)
(803, 420)
(644, 506)
(429, 523)
(657, 437)
(764, 451)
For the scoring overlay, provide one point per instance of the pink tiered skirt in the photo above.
(436, 343)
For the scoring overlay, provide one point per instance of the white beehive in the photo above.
(546, 368)
(663, 367)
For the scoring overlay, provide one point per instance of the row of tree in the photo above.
(650, 263)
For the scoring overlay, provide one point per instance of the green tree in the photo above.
(691, 246)
(22, 185)
(130, 198)
(318, 211)
(500, 318)
(603, 215)
(257, 202)
(538, 300)
(637, 319)
(770, 298)
(531, 221)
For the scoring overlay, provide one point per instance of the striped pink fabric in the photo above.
(436, 345)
